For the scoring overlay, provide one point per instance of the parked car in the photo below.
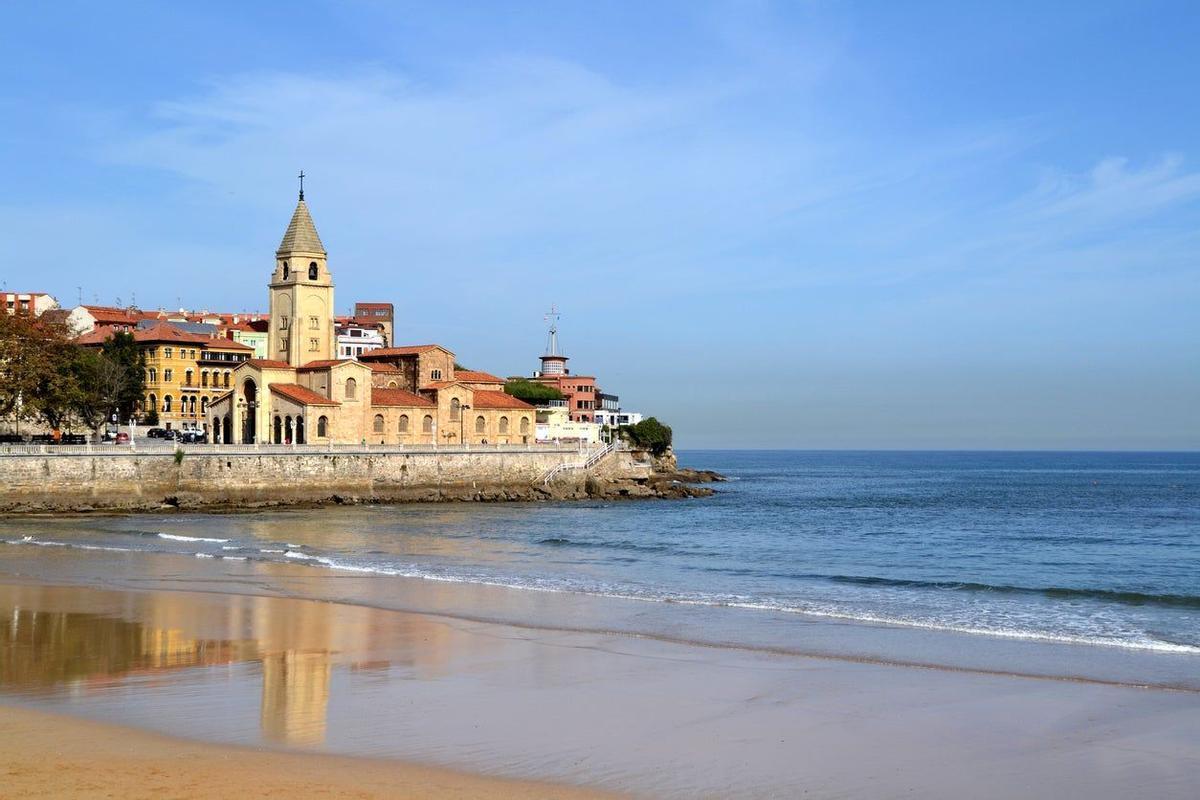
(73, 438)
(12, 438)
(121, 438)
(193, 437)
(155, 433)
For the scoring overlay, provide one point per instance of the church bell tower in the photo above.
(301, 327)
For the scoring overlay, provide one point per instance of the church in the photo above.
(304, 394)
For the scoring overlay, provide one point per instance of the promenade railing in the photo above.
(170, 448)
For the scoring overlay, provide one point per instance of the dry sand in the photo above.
(45, 755)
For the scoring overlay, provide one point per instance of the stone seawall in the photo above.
(145, 481)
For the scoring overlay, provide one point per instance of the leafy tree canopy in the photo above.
(650, 434)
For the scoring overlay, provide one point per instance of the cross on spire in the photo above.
(301, 184)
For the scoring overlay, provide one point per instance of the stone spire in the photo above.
(301, 235)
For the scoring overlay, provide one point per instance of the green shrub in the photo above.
(650, 434)
(531, 391)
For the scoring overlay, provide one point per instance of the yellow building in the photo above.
(304, 394)
(185, 371)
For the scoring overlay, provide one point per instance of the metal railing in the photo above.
(169, 449)
(591, 460)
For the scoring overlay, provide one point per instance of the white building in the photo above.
(355, 338)
(615, 419)
(27, 303)
(554, 424)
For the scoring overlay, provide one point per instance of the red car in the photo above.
(122, 438)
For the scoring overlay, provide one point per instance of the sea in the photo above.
(1098, 550)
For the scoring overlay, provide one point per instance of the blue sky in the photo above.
(772, 225)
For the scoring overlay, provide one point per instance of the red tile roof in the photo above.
(472, 376)
(485, 399)
(268, 363)
(301, 394)
(325, 363)
(398, 397)
(112, 314)
(409, 350)
(385, 368)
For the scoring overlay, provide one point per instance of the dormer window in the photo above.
(286, 270)
(312, 271)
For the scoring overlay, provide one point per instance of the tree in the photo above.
(122, 350)
(103, 383)
(531, 391)
(37, 375)
(650, 434)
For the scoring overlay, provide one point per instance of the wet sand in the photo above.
(45, 755)
(605, 711)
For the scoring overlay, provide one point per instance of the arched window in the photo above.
(312, 270)
(378, 423)
(167, 403)
(204, 378)
(287, 430)
(286, 270)
(278, 437)
(524, 424)
(203, 405)
(226, 380)
(153, 376)
(152, 402)
(393, 385)
(504, 424)
(187, 378)
(216, 430)
(322, 427)
(480, 424)
(404, 423)
(427, 424)
(455, 409)
(351, 388)
(298, 436)
(192, 406)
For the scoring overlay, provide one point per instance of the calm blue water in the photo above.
(1098, 548)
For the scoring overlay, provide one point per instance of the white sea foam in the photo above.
(74, 546)
(231, 547)
(204, 555)
(177, 538)
(716, 601)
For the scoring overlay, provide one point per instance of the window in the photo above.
(283, 343)
(152, 375)
(378, 423)
(312, 270)
(166, 352)
(404, 423)
(203, 405)
(435, 374)
(504, 424)
(152, 401)
(427, 424)
(393, 385)
(314, 345)
(314, 323)
(455, 409)
(187, 378)
(283, 323)
(524, 424)
(286, 270)
(226, 380)
(167, 403)
(167, 375)
(480, 424)
(204, 378)
(322, 426)
(351, 388)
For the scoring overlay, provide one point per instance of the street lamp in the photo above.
(462, 420)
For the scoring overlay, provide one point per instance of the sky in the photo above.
(772, 225)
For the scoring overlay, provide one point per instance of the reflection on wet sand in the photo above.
(57, 641)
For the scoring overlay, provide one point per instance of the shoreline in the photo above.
(391, 690)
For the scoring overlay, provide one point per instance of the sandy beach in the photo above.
(301, 697)
(46, 755)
